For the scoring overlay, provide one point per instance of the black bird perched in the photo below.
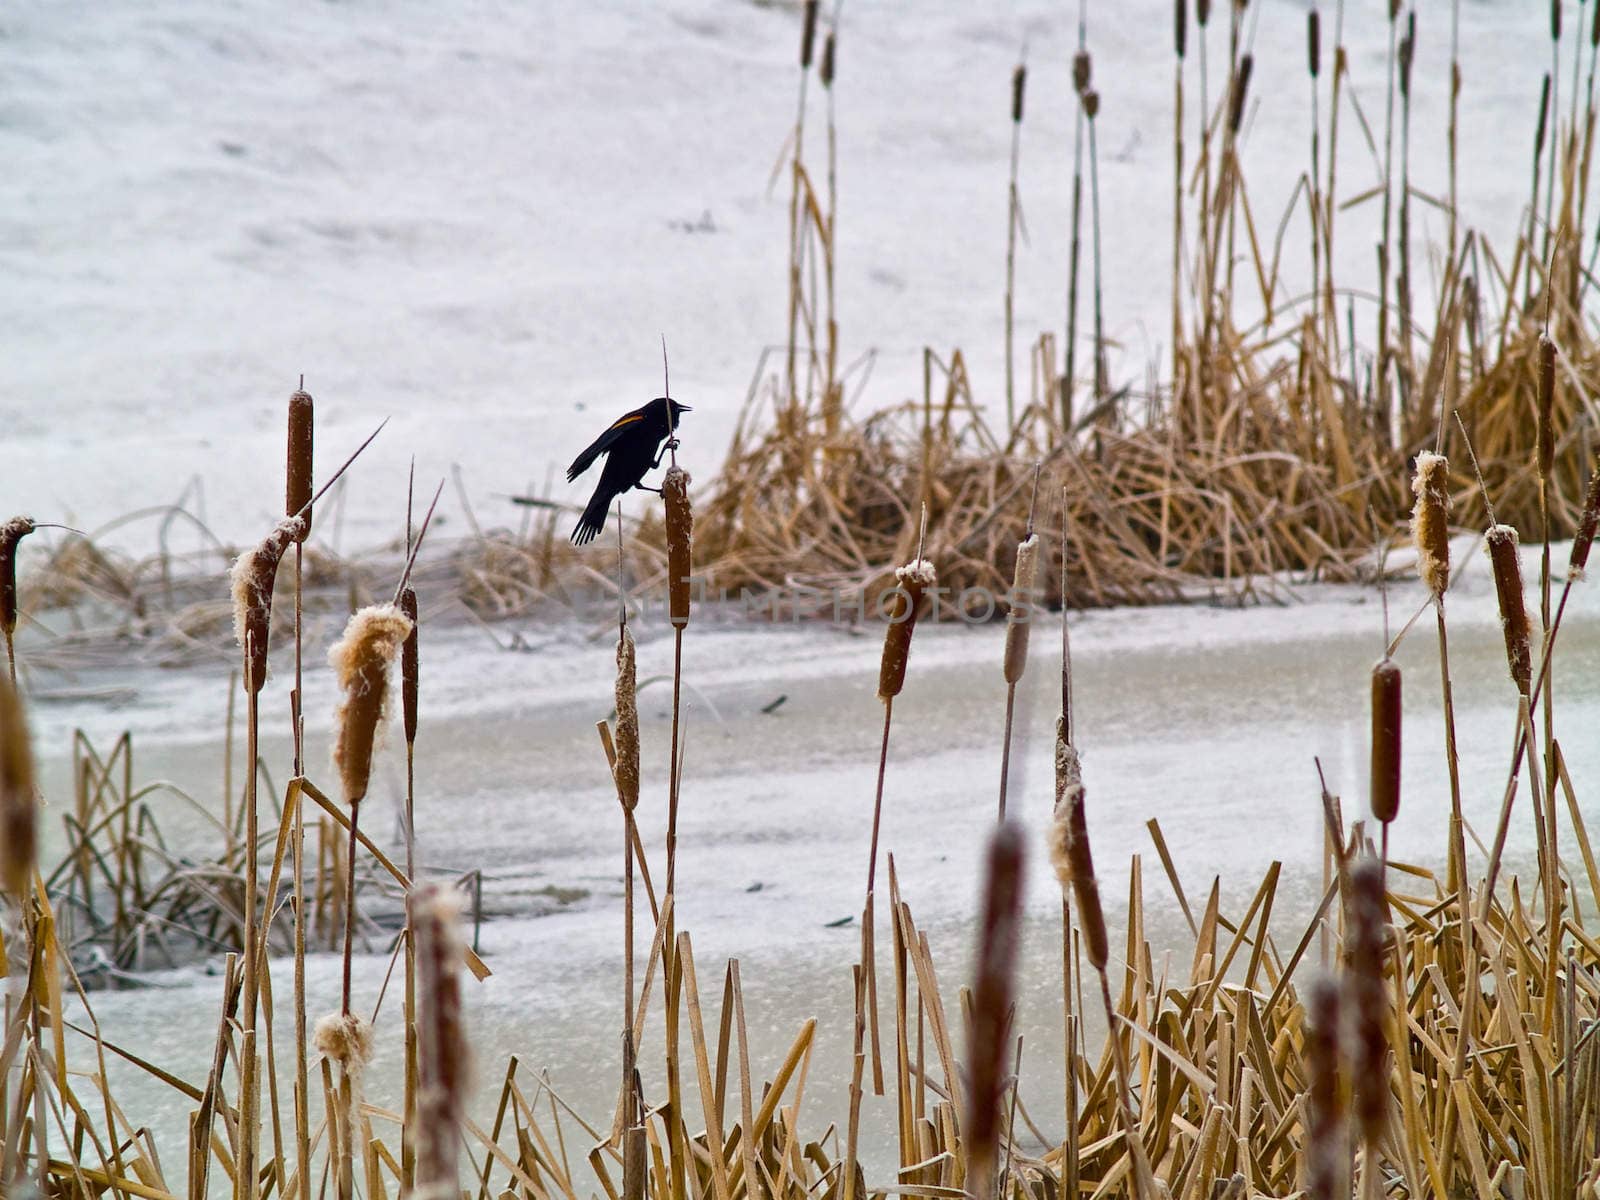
(632, 446)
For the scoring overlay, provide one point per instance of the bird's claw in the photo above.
(672, 443)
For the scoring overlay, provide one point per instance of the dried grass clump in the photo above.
(18, 804)
(346, 1039)
(253, 578)
(1430, 520)
(361, 661)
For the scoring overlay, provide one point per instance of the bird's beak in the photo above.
(683, 407)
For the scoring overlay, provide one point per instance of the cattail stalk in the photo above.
(1081, 71)
(1019, 83)
(442, 1066)
(410, 682)
(1368, 1000)
(12, 532)
(1327, 1154)
(992, 1006)
(808, 34)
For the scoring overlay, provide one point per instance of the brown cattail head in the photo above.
(361, 661)
(1241, 92)
(410, 668)
(1555, 20)
(1544, 113)
(1326, 1150)
(1430, 520)
(1368, 998)
(912, 582)
(1547, 398)
(1386, 740)
(442, 1060)
(1513, 613)
(1594, 29)
(1588, 522)
(1180, 27)
(12, 532)
(1091, 104)
(627, 733)
(1408, 50)
(808, 34)
(680, 542)
(254, 575)
(825, 71)
(345, 1038)
(992, 1001)
(18, 813)
(1202, 12)
(299, 489)
(1020, 619)
(1019, 85)
(1082, 70)
(1314, 42)
(1394, 10)
(1069, 849)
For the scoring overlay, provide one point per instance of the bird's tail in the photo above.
(593, 519)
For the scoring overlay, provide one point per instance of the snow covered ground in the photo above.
(479, 218)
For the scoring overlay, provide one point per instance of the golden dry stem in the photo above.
(1368, 999)
(1327, 1152)
(1024, 582)
(911, 584)
(1386, 740)
(253, 578)
(410, 666)
(1513, 611)
(346, 1039)
(992, 1001)
(627, 732)
(1590, 520)
(361, 661)
(680, 544)
(18, 806)
(1070, 853)
(297, 500)
(442, 1056)
(1430, 520)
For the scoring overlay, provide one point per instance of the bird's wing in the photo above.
(602, 443)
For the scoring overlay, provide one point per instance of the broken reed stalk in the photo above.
(1018, 622)
(410, 683)
(442, 1055)
(1019, 83)
(11, 533)
(993, 1003)
(298, 486)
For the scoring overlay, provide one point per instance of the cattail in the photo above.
(680, 541)
(627, 733)
(1091, 104)
(1369, 1000)
(1314, 42)
(410, 678)
(1544, 113)
(1587, 525)
(361, 661)
(1594, 29)
(808, 35)
(442, 1063)
(298, 493)
(992, 1003)
(1547, 397)
(1555, 20)
(911, 582)
(12, 532)
(346, 1039)
(1386, 740)
(1430, 520)
(825, 71)
(254, 575)
(1513, 615)
(1180, 27)
(1394, 10)
(1069, 849)
(1020, 619)
(1241, 90)
(1408, 50)
(1019, 84)
(1082, 68)
(1325, 1152)
(18, 815)
(1202, 12)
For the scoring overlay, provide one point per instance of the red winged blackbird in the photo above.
(632, 446)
